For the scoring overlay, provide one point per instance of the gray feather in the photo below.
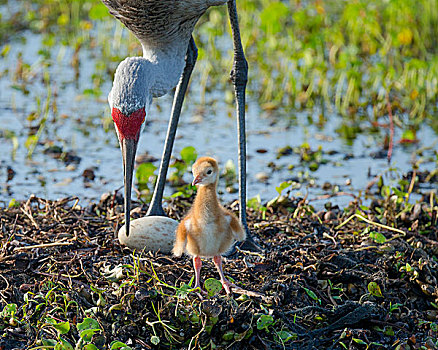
(164, 28)
(130, 90)
(158, 22)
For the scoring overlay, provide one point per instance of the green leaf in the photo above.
(180, 194)
(313, 166)
(87, 334)
(311, 294)
(62, 327)
(389, 331)
(398, 193)
(90, 347)
(282, 187)
(189, 154)
(212, 286)
(30, 141)
(254, 203)
(409, 134)
(374, 289)
(286, 336)
(249, 333)
(9, 310)
(106, 269)
(88, 328)
(385, 191)
(98, 12)
(155, 340)
(228, 335)
(264, 322)
(66, 345)
(63, 345)
(182, 291)
(377, 237)
(118, 345)
(49, 342)
(4, 52)
(13, 203)
(144, 172)
(63, 19)
(90, 92)
(88, 323)
(359, 341)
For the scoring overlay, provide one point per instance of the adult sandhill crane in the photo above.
(164, 29)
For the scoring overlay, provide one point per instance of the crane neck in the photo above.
(168, 62)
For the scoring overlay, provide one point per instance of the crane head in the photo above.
(129, 100)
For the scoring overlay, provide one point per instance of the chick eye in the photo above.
(209, 172)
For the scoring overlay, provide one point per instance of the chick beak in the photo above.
(196, 180)
(129, 147)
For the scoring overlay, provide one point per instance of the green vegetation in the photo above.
(353, 58)
(358, 59)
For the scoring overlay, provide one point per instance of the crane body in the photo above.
(164, 29)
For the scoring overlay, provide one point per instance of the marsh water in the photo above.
(77, 135)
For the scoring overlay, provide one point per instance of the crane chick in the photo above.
(208, 230)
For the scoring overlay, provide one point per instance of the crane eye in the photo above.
(209, 172)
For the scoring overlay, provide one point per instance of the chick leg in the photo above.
(225, 283)
(197, 263)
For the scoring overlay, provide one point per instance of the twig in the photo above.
(372, 182)
(63, 277)
(250, 293)
(114, 197)
(371, 223)
(330, 296)
(14, 225)
(391, 128)
(326, 196)
(8, 257)
(7, 287)
(309, 308)
(249, 252)
(29, 215)
(411, 185)
(366, 248)
(44, 245)
(74, 204)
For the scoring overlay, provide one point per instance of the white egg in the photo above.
(150, 233)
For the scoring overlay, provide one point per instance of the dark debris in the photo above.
(314, 276)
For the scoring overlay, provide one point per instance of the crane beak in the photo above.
(129, 147)
(196, 180)
(128, 132)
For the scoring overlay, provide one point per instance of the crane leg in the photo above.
(239, 78)
(155, 207)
